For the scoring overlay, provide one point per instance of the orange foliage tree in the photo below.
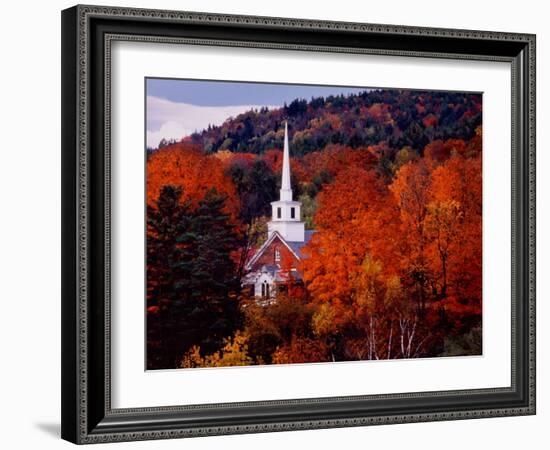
(356, 227)
(439, 200)
(185, 165)
(335, 158)
(394, 267)
(456, 224)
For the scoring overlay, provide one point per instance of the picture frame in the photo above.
(87, 35)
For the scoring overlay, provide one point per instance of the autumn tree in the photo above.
(233, 353)
(387, 324)
(440, 206)
(186, 166)
(411, 191)
(350, 260)
(278, 326)
(353, 218)
(456, 226)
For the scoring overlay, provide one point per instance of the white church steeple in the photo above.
(286, 213)
(286, 190)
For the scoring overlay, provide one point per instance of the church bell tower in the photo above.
(286, 213)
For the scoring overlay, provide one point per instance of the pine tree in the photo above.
(192, 287)
(212, 287)
(166, 222)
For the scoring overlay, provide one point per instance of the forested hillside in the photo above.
(398, 117)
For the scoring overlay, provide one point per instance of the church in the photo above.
(277, 261)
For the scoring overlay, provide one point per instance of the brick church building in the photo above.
(277, 261)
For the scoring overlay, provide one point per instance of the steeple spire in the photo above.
(286, 190)
(285, 218)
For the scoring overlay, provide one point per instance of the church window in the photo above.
(265, 289)
(292, 213)
(278, 213)
(277, 255)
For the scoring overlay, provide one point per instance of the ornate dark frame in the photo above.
(87, 33)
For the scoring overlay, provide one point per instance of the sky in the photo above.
(177, 108)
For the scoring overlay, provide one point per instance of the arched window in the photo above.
(277, 255)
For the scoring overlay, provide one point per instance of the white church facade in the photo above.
(277, 262)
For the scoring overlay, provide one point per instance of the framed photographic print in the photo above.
(281, 224)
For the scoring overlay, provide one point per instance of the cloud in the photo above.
(168, 130)
(173, 120)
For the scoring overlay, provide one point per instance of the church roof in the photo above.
(296, 247)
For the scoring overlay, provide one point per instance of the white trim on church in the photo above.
(266, 244)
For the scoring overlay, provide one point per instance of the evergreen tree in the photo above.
(211, 289)
(191, 283)
(257, 188)
(165, 222)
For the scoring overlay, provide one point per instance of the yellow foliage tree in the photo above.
(234, 353)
